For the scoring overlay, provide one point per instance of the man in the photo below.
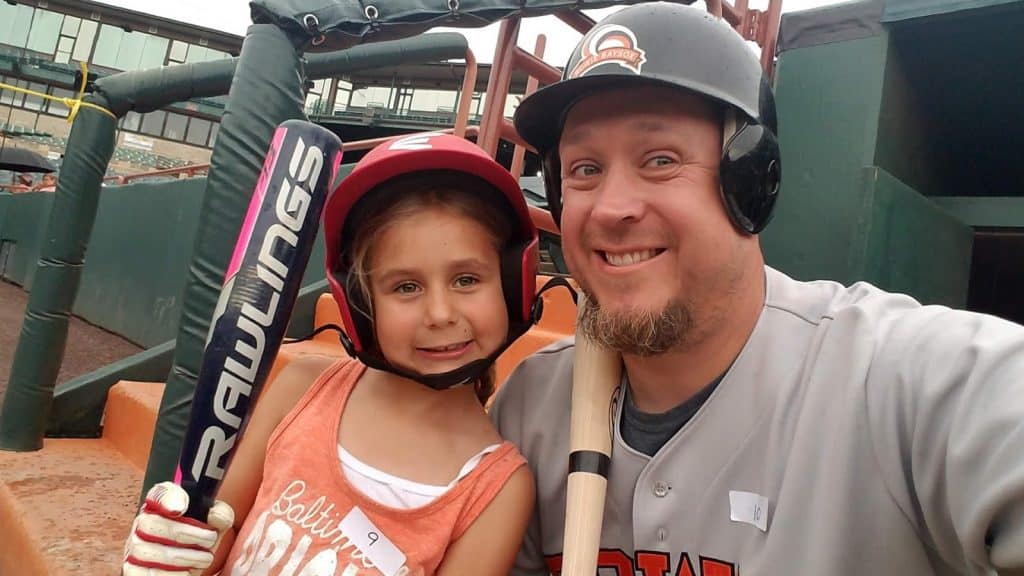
(764, 426)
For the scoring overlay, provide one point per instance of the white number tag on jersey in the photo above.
(749, 508)
(372, 542)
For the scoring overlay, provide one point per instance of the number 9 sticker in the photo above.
(372, 542)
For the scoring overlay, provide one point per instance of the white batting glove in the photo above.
(163, 542)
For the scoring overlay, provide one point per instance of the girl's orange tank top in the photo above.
(309, 520)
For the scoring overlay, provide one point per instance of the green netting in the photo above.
(342, 23)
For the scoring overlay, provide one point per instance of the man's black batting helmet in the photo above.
(677, 46)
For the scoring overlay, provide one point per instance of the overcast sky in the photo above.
(233, 16)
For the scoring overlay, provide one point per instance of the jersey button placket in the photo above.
(660, 489)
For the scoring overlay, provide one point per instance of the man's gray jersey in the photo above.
(857, 432)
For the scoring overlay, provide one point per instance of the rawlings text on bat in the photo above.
(256, 300)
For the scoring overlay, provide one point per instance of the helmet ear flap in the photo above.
(551, 168)
(751, 172)
(519, 264)
(355, 315)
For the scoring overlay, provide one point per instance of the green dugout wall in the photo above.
(896, 154)
(138, 254)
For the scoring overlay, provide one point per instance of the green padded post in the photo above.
(45, 327)
(266, 90)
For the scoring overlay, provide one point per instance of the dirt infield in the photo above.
(88, 347)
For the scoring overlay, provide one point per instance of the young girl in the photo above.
(386, 464)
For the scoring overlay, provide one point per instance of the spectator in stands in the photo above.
(47, 184)
(23, 179)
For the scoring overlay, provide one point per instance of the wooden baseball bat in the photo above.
(597, 371)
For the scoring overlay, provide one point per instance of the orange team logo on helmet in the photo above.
(610, 43)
